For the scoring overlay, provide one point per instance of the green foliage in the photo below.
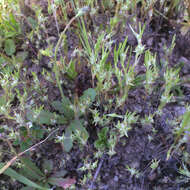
(125, 74)
(151, 71)
(102, 142)
(126, 125)
(133, 171)
(185, 125)
(71, 70)
(9, 31)
(32, 176)
(64, 107)
(172, 79)
(66, 116)
(44, 117)
(182, 133)
(89, 94)
(75, 129)
(10, 47)
(13, 174)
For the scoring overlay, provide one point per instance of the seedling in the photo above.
(102, 142)
(140, 48)
(171, 78)
(154, 164)
(134, 172)
(126, 125)
(151, 71)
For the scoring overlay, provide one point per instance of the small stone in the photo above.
(150, 41)
(152, 176)
(135, 164)
(116, 179)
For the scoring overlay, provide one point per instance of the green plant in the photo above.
(134, 172)
(147, 120)
(125, 74)
(154, 164)
(30, 175)
(181, 132)
(69, 115)
(9, 28)
(126, 125)
(185, 174)
(140, 47)
(112, 141)
(151, 71)
(81, 12)
(89, 167)
(9, 81)
(29, 108)
(171, 78)
(13, 174)
(102, 142)
(99, 68)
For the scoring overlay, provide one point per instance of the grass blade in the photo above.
(13, 174)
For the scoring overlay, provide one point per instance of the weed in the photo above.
(89, 167)
(133, 171)
(102, 142)
(171, 80)
(126, 125)
(154, 164)
(151, 71)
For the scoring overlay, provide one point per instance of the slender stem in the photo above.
(21, 153)
(62, 36)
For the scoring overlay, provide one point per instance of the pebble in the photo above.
(152, 176)
(116, 179)
(150, 41)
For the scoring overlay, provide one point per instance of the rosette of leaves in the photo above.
(66, 115)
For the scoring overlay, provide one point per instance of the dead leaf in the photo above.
(66, 183)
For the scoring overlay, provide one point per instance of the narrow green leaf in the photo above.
(68, 141)
(185, 123)
(71, 71)
(13, 174)
(114, 115)
(29, 174)
(27, 188)
(31, 167)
